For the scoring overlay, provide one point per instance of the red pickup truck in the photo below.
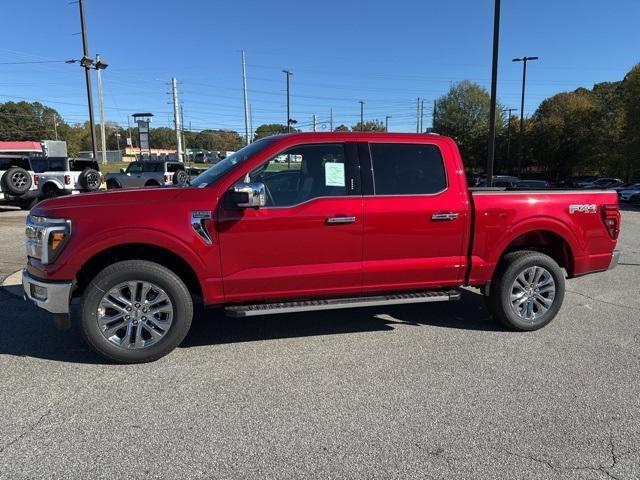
(306, 222)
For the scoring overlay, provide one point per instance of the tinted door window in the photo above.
(407, 169)
(134, 168)
(39, 165)
(57, 164)
(303, 173)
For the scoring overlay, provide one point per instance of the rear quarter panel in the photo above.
(502, 217)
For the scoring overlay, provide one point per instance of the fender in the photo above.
(51, 180)
(484, 263)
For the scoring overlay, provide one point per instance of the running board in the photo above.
(337, 303)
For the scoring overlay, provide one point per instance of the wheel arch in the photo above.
(138, 251)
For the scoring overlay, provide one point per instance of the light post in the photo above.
(386, 122)
(494, 85)
(361, 115)
(524, 61)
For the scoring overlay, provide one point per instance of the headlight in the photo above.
(46, 237)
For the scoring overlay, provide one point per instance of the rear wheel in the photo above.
(527, 291)
(50, 191)
(135, 311)
(89, 180)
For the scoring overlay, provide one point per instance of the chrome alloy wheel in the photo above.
(532, 293)
(135, 314)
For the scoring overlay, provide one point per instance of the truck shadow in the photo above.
(26, 331)
(212, 327)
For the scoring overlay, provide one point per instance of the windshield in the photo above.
(221, 168)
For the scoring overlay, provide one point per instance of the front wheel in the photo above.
(527, 291)
(135, 311)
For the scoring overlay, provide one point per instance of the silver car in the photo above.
(148, 173)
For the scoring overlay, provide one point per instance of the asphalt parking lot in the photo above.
(422, 391)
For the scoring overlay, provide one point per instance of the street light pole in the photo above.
(494, 86)
(524, 61)
(288, 73)
(86, 63)
(361, 115)
(386, 122)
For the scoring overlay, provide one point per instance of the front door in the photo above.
(307, 240)
(414, 219)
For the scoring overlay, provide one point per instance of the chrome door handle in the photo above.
(334, 220)
(444, 216)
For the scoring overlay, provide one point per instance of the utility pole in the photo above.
(386, 122)
(129, 130)
(86, 63)
(494, 87)
(421, 115)
(103, 139)
(288, 73)
(524, 61)
(331, 119)
(250, 124)
(55, 125)
(184, 144)
(313, 120)
(176, 117)
(361, 115)
(246, 100)
(433, 115)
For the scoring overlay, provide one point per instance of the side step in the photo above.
(337, 303)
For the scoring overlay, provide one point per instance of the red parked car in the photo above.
(355, 219)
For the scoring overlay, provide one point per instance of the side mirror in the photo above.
(249, 195)
(122, 170)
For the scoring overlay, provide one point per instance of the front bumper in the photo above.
(615, 258)
(51, 296)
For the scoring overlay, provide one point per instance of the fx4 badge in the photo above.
(583, 208)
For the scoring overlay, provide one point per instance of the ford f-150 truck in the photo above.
(363, 219)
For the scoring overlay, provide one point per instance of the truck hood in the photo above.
(109, 198)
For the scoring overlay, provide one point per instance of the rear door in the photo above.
(414, 218)
(307, 240)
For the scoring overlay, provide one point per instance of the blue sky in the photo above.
(385, 53)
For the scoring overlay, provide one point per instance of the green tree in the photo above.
(368, 126)
(217, 140)
(631, 128)
(341, 128)
(268, 129)
(463, 113)
(24, 121)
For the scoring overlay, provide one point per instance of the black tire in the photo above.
(499, 300)
(180, 177)
(112, 184)
(89, 180)
(49, 190)
(27, 204)
(142, 271)
(16, 181)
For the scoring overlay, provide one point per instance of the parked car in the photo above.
(367, 219)
(501, 181)
(625, 193)
(635, 198)
(18, 185)
(59, 176)
(148, 173)
(602, 183)
(532, 185)
(573, 182)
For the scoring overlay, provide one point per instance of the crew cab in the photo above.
(364, 219)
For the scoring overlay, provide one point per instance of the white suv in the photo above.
(17, 182)
(64, 176)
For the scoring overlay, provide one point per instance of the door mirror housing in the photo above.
(249, 195)
(122, 170)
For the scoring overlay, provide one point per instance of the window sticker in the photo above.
(334, 174)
